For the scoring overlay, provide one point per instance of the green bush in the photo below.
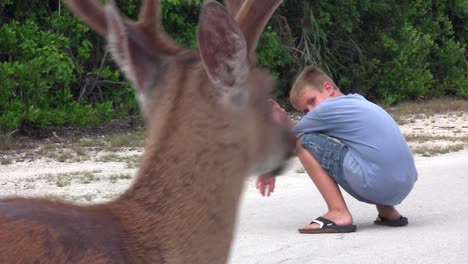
(273, 56)
(387, 51)
(54, 71)
(37, 77)
(405, 75)
(46, 76)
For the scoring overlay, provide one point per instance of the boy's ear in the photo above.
(328, 87)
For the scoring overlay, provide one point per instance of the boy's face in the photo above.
(311, 97)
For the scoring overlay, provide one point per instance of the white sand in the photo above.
(95, 181)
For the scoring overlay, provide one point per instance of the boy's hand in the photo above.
(265, 185)
(277, 112)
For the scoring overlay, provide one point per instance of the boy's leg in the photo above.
(389, 216)
(337, 210)
(388, 212)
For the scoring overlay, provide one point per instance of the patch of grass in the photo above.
(401, 120)
(6, 161)
(62, 181)
(64, 157)
(429, 151)
(136, 139)
(110, 158)
(133, 162)
(7, 142)
(79, 154)
(25, 157)
(65, 179)
(431, 107)
(117, 141)
(5, 139)
(89, 143)
(55, 152)
(50, 151)
(79, 151)
(300, 170)
(428, 138)
(50, 147)
(88, 177)
(121, 176)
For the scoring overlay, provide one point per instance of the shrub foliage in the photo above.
(55, 72)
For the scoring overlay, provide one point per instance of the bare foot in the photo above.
(339, 217)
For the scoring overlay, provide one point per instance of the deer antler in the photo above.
(90, 13)
(148, 24)
(252, 17)
(233, 6)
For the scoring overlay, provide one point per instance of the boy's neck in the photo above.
(336, 94)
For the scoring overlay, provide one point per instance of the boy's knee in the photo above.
(299, 147)
(299, 144)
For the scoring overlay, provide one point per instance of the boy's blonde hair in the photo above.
(311, 76)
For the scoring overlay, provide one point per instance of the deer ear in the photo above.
(132, 54)
(223, 48)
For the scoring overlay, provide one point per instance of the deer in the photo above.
(209, 126)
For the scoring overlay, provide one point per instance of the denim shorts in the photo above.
(330, 153)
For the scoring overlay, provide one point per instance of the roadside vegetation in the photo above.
(55, 72)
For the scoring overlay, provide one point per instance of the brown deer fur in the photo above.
(209, 126)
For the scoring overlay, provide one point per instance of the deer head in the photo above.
(223, 71)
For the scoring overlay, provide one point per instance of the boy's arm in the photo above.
(280, 115)
(290, 124)
(266, 183)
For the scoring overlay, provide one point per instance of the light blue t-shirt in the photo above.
(379, 165)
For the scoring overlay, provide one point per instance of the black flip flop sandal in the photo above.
(402, 221)
(327, 226)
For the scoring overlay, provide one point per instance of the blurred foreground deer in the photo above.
(209, 126)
